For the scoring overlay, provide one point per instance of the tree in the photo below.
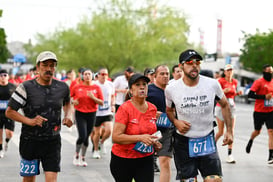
(4, 53)
(120, 34)
(257, 51)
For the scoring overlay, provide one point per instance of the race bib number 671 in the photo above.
(202, 146)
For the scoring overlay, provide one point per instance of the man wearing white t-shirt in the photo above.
(104, 115)
(193, 97)
(121, 86)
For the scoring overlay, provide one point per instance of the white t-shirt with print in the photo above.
(108, 90)
(195, 104)
(120, 83)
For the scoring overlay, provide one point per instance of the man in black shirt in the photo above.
(41, 100)
(6, 89)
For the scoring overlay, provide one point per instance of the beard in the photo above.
(192, 76)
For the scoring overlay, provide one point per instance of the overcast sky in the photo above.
(22, 19)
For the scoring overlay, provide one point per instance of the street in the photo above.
(248, 167)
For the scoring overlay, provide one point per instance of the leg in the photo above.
(165, 166)
(96, 138)
(51, 176)
(107, 131)
(29, 179)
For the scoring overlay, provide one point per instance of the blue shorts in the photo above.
(187, 167)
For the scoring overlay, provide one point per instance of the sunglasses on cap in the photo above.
(4, 74)
(190, 62)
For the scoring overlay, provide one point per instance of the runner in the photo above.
(104, 114)
(134, 143)
(262, 90)
(42, 100)
(193, 99)
(86, 98)
(6, 89)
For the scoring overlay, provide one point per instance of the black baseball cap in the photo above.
(3, 71)
(149, 71)
(188, 54)
(130, 69)
(135, 77)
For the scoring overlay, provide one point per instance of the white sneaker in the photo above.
(1, 153)
(83, 162)
(96, 154)
(230, 159)
(6, 146)
(103, 148)
(76, 161)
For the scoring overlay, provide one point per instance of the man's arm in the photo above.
(68, 110)
(182, 126)
(16, 116)
(228, 138)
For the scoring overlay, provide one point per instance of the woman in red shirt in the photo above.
(229, 86)
(86, 98)
(134, 142)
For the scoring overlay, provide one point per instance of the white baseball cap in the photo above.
(46, 55)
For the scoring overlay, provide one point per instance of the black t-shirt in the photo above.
(156, 96)
(5, 94)
(46, 101)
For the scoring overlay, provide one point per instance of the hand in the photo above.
(148, 139)
(226, 90)
(68, 122)
(38, 120)
(158, 113)
(182, 126)
(90, 94)
(75, 102)
(268, 96)
(157, 146)
(113, 109)
(240, 92)
(228, 139)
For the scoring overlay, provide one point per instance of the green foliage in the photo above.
(4, 53)
(257, 51)
(117, 35)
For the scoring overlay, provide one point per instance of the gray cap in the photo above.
(46, 55)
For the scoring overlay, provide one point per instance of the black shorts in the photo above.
(47, 152)
(6, 122)
(125, 169)
(187, 167)
(166, 141)
(260, 118)
(102, 119)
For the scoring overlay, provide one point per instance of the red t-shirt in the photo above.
(262, 87)
(232, 85)
(86, 104)
(136, 123)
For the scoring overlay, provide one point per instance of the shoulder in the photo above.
(59, 83)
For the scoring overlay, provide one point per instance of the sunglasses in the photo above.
(190, 62)
(5, 75)
(104, 74)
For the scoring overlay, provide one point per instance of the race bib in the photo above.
(3, 104)
(29, 168)
(202, 146)
(142, 148)
(163, 121)
(268, 103)
(104, 107)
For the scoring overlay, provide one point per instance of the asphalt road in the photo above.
(248, 167)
